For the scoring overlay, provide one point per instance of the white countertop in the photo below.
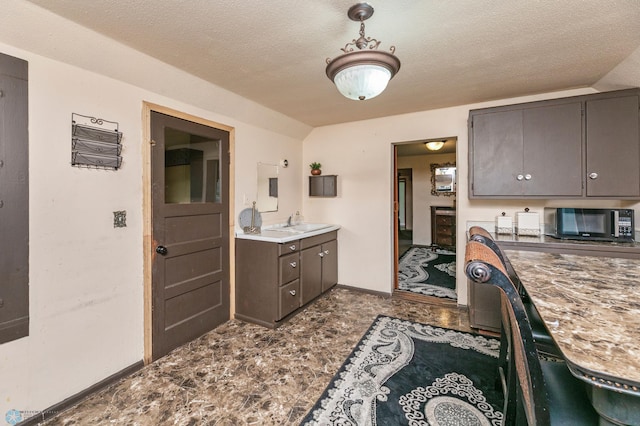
(271, 234)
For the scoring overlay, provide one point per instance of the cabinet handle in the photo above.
(1, 303)
(292, 247)
(292, 292)
(593, 175)
(293, 264)
(519, 177)
(326, 252)
(321, 254)
(527, 177)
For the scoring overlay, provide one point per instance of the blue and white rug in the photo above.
(406, 373)
(428, 271)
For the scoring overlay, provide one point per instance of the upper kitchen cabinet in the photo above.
(526, 151)
(613, 150)
(557, 148)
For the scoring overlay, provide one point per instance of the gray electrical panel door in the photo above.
(14, 200)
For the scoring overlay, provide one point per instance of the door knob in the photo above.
(161, 250)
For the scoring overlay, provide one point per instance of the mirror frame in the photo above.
(435, 166)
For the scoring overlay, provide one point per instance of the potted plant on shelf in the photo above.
(315, 168)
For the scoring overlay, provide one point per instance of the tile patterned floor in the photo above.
(245, 374)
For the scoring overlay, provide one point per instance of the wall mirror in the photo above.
(267, 199)
(443, 179)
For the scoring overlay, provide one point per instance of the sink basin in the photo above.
(285, 230)
(301, 228)
(308, 227)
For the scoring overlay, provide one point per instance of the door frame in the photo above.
(147, 219)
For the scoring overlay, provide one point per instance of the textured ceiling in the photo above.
(452, 52)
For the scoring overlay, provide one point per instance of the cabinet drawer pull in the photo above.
(321, 254)
(593, 176)
(519, 177)
(527, 177)
(326, 252)
(292, 247)
(293, 264)
(292, 292)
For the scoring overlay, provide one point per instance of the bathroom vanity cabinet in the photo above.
(273, 280)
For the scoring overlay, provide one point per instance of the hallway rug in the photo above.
(429, 271)
(403, 373)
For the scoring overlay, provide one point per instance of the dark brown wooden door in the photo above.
(190, 199)
(14, 199)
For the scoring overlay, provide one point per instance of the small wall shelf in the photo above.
(323, 186)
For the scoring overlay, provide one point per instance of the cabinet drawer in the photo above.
(289, 299)
(289, 268)
(290, 247)
(318, 239)
(445, 220)
(445, 240)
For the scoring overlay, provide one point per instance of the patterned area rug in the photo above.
(406, 373)
(428, 271)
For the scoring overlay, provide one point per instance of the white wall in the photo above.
(86, 277)
(361, 154)
(422, 197)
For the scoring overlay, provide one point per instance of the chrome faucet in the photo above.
(289, 220)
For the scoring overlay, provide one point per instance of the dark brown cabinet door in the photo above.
(552, 150)
(310, 274)
(613, 147)
(190, 201)
(496, 154)
(14, 200)
(329, 264)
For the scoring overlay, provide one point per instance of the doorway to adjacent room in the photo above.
(424, 221)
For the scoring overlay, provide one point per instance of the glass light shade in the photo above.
(362, 82)
(434, 146)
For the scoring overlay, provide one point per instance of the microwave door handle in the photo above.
(616, 223)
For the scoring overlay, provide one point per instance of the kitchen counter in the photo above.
(276, 235)
(549, 244)
(591, 306)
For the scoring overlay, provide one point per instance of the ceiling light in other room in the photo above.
(364, 73)
(434, 145)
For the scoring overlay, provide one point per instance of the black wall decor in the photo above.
(95, 142)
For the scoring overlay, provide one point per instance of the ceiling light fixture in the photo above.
(364, 73)
(434, 145)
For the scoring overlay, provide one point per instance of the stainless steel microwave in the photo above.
(590, 224)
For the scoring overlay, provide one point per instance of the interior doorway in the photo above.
(424, 265)
(187, 230)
